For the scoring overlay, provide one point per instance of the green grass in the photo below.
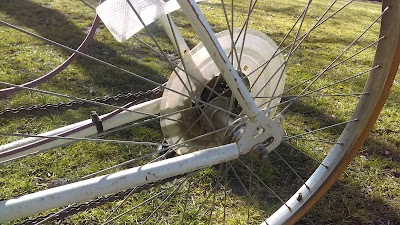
(368, 192)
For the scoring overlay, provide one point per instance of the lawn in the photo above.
(367, 193)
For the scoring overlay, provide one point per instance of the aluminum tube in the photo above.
(173, 33)
(33, 145)
(88, 189)
(207, 36)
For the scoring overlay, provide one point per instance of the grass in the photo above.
(368, 192)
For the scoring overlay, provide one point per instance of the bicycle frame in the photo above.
(88, 189)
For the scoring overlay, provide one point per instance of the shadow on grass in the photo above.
(358, 198)
(351, 200)
(52, 24)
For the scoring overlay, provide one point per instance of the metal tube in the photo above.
(88, 189)
(81, 129)
(182, 46)
(206, 35)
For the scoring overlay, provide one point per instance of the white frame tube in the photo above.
(173, 33)
(207, 36)
(88, 189)
(149, 107)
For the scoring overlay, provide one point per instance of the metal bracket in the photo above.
(97, 121)
(259, 130)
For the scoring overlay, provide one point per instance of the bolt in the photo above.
(279, 118)
(260, 151)
(264, 156)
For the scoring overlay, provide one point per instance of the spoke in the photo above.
(338, 57)
(225, 194)
(341, 81)
(295, 97)
(100, 62)
(142, 122)
(179, 53)
(246, 26)
(303, 36)
(165, 116)
(80, 139)
(135, 207)
(175, 64)
(121, 164)
(288, 97)
(250, 188)
(207, 120)
(336, 95)
(186, 201)
(172, 65)
(327, 86)
(119, 205)
(159, 47)
(168, 150)
(250, 198)
(285, 141)
(230, 26)
(176, 146)
(323, 128)
(317, 24)
(187, 77)
(201, 136)
(283, 65)
(110, 131)
(291, 168)
(212, 191)
(167, 198)
(88, 4)
(337, 64)
(241, 182)
(291, 51)
(213, 206)
(315, 140)
(262, 182)
(188, 130)
(276, 53)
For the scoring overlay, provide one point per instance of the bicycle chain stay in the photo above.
(38, 110)
(74, 209)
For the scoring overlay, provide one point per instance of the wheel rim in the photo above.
(62, 66)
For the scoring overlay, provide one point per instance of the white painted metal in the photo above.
(88, 189)
(258, 49)
(206, 35)
(265, 128)
(122, 118)
(171, 31)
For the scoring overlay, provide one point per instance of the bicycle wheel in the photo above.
(324, 78)
(58, 68)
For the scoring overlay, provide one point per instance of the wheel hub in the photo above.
(182, 121)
